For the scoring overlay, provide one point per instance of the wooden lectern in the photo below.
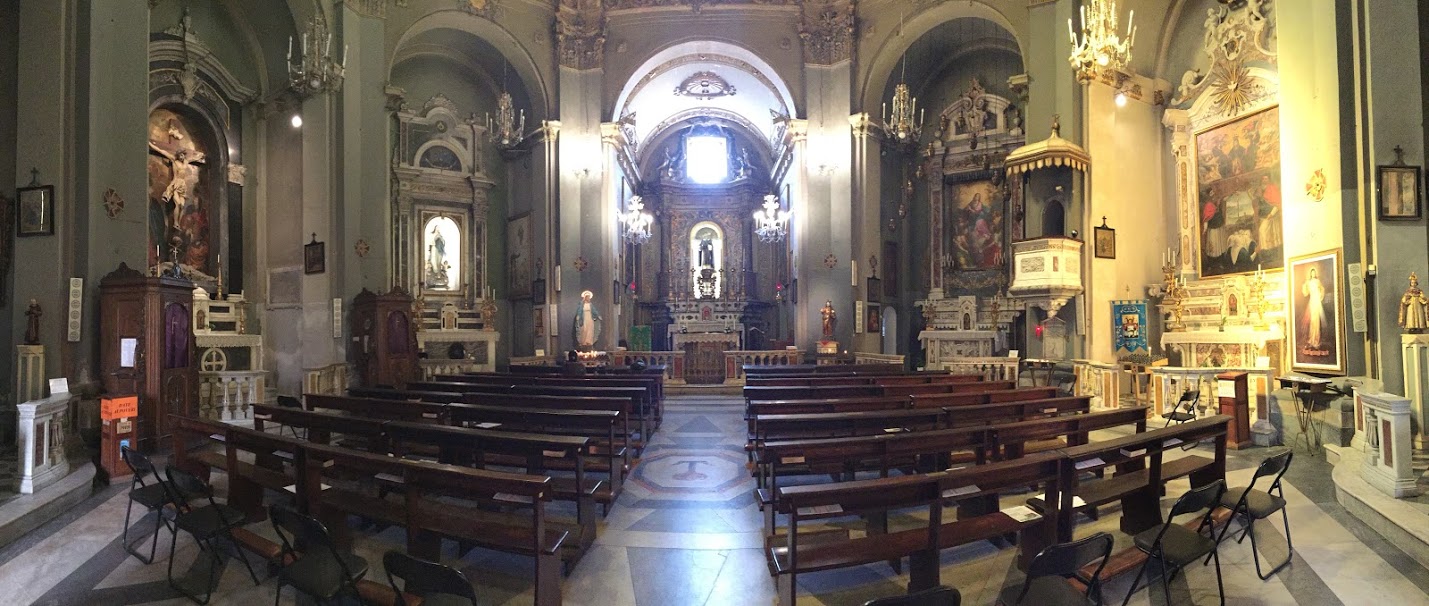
(1234, 392)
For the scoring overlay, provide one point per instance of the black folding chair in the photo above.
(1174, 546)
(152, 496)
(1046, 583)
(1252, 505)
(1185, 408)
(311, 560)
(436, 584)
(205, 522)
(937, 596)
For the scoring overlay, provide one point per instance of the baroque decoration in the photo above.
(113, 203)
(580, 34)
(705, 85)
(1315, 187)
(1234, 39)
(827, 30)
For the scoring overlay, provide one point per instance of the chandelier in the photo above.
(637, 221)
(771, 223)
(906, 124)
(315, 71)
(1100, 49)
(509, 128)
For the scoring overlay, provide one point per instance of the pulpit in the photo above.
(384, 340)
(146, 347)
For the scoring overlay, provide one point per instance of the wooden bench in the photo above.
(829, 369)
(653, 385)
(922, 543)
(482, 508)
(641, 418)
(819, 380)
(825, 392)
(982, 397)
(840, 424)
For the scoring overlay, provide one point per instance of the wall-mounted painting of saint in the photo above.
(1238, 180)
(976, 216)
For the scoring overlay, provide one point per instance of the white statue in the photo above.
(587, 323)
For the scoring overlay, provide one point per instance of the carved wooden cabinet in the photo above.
(384, 340)
(146, 344)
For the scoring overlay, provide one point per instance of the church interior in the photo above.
(686, 302)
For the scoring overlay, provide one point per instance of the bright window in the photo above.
(707, 159)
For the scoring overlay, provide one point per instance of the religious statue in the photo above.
(587, 323)
(32, 332)
(830, 318)
(183, 169)
(1414, 307)
(706, 258)
(437, 265)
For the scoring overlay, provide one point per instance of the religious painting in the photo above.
(518, 256)
(314, 256)
(183, 188)
(875, 319)
(1128, 320)
(1238, 194)
(36, 209)
(1104, 242)
(442, 254)
(977, 217)
(1316, 313)
(538, 320)
(1399, 193)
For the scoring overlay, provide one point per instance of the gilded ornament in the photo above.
(1315, 187)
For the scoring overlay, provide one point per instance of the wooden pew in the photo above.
(625, 434)
(388, 393)
(858, 379)
(497, 510)
(982, 397)
(792, 407)
(833, 425)
(642, 417)
(832, 369)
(921, 545)
(824, 392)
(652, 383)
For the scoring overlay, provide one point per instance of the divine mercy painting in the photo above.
(1238, 185)
(1316, 321)
(977, 215)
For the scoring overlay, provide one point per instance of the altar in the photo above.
(944, 347)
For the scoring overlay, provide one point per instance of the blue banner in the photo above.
(1128, 321)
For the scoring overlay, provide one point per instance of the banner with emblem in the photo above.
(1128, 321)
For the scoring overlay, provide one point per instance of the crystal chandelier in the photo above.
(637, 221)
(771, 223)
(315, 71)
(1100, 49)
(508, 130)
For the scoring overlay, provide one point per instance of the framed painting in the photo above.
(36, 211)
(1316, 298)
(976, 216)
(314, 256)
(875, 319)
(1104, 241)
(518, 256)
(1238, 195)
(1399, 193)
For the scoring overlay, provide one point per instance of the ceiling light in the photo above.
(1120, 99)
(297, 121)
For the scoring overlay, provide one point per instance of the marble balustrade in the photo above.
(42, 427)
(1383, 433)
(1100, 380)
(877, 358)
(229, 395)
(326, 380)
(990, 368)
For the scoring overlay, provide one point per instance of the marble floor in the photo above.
(686, 532)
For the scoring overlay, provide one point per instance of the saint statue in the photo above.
(182, 170)
(437, 264)
(830, 319)
(587, 323)
(32, 332)
(1413, 307)
(706, 253)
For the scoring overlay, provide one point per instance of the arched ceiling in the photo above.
(480, 45)
(476, 57)
(651, 91)
(927, 57)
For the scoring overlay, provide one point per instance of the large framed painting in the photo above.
(518, 256)
(1317, 335)
(976, 218)
(1238, 195)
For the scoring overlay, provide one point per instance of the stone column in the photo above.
(362, 157)
(544, 209)
(1415, 349)
(867, 172)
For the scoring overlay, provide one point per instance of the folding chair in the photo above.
(152, 496)
(204, 522)
(1254, 505)
(937, 596)
(1046, 583)
(435, 584)
(320, 570)
(1185, 408)
(1174, 546)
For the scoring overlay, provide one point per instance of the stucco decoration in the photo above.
(705, 85)
(1234, 39)
(827, 30)
(695, 5)
(113, 203)
(580, 34)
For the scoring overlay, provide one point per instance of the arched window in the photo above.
(707, 159)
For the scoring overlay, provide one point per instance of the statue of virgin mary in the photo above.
(587, 323)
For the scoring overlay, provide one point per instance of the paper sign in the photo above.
(1093, 462)
(487, 425)
(59, 386)
(1225, 389)
(118, 408)
(1022, 513)
(819, 510)
(960, 491)
(126, 352)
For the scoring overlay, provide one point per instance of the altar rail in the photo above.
(1100, 380)
(734, 361)
(1382, 429)
(327, 380)
(533, 361)
(991, 369)
(229, 395)
(877, 358)
(43, 425)
(1168, 382)
(433, 368)
(673, 361)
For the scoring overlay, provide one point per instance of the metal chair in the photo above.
(1046, 583)
(1175, 546)
(1254, 505)
(436, 584)
(937, 596)
(1188, 403)
(204, 522)
(319, 570)
(152, 496)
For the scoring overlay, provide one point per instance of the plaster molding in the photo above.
(827, 30)
(198, 57)
(376, 9)
(694, 5)
(716, 58)
(580, 34)
(237, 174)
